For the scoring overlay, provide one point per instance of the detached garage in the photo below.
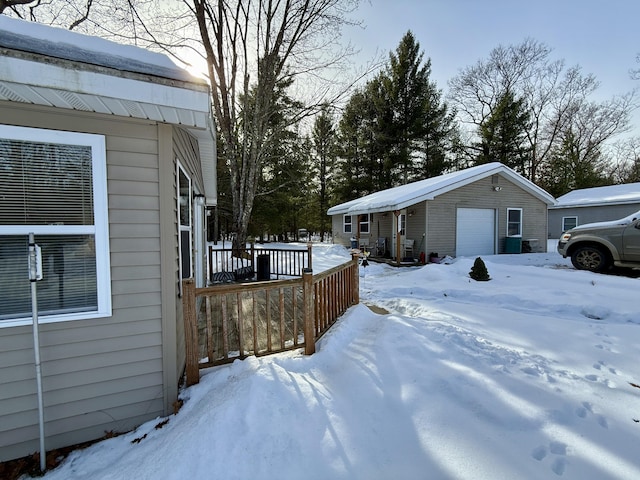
(482, 210)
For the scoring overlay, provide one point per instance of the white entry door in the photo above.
(475, 232)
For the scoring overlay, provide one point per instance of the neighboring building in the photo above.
(107, 154)
(482, 210)
(588, 205)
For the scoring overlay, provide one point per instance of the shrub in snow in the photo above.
(479, 271)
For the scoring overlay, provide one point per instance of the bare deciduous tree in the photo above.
(250, 47)
(556, 97)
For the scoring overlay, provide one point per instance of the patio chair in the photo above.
(408, 248)
(364, 244)
(381, 247)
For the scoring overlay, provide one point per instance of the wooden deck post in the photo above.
(356, 279)
(308, 312)
(190, 331)
(309, 256)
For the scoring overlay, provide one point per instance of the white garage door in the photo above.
(475, 231)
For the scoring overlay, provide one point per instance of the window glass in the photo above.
(68, 282)
(514, 222)
(364, 223)
(569, 223)
(50, 185)
(347, 223)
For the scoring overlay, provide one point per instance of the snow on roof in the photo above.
(405, 195)
(612, 194)
(57, 42)
(612, 223)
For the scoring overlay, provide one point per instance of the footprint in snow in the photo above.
(596, 313)
(539, 452)
(559, 449)
(558, 466)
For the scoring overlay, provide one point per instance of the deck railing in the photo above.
(282, 262)
(230, 321)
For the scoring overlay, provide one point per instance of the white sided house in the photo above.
(589, 205)
(482, 210)
(107, 155)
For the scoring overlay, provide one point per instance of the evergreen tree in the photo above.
(324, 142)
(421, 125)
(396, 129)
(503, 134)
(569, 168)
(479, 271)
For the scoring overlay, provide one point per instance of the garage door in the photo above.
(475, 231)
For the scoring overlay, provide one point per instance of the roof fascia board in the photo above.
(46, 75)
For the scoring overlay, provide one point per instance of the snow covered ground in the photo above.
(525, 376)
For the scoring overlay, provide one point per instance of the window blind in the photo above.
(47, 187)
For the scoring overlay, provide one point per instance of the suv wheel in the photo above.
(590, 258)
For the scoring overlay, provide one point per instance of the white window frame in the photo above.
(366, 222)
(184, 228)
(99, 230)
(519, 234)
(575, 217)
(348, 224)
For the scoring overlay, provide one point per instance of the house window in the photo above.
(514, 222)
(54, 186)
(364, 222)
(568, 223)
(184, 223)
(346, 221)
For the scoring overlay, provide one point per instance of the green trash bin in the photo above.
(513, 245)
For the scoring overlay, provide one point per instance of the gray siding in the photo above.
(101, 374)
(602, 213)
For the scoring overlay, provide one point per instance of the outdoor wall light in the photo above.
(497, 188)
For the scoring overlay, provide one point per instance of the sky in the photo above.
(601, 36)
(524, 376)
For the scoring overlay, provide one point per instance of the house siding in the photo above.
(588, 214)
(105, 374)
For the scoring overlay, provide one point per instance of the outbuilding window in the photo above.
(568, 223)
(514, 222)
(53, 185)
(365, 220)
(346, 221)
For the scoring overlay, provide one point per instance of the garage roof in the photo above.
(405, 195)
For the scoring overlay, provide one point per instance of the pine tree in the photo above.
(324, 142)
(421, 123)
(396, 129)
(503, 135)
(479, 271)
